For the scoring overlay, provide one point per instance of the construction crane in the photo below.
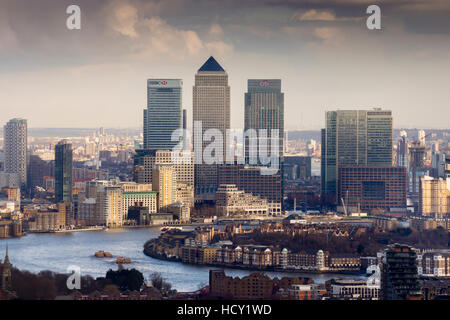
(414, 139)
(343, 203)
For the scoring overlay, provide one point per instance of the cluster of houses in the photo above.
(224, 253)
(195, 247)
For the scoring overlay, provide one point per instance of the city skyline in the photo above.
(329, 59)
(201, 150)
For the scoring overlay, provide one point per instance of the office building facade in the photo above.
(163, 114)
(252, 180)
(373, 187)
(230, 201)
(63, 171)
(264, 110)
(354, 138)
(211, 110)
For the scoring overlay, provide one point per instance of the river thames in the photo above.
(58, 251)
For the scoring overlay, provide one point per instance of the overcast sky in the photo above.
(322, 51)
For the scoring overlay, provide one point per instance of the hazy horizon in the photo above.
(320, 49)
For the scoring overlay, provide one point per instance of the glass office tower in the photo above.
(163, 114)
(355, 138)
(264, 109)
(63, 171)
(211, 109)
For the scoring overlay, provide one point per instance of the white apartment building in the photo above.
(232, 201)
(434, 263)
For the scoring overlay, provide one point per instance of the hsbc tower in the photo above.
(163, 114)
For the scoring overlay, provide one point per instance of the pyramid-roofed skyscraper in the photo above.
(211, 108)
(211, 65)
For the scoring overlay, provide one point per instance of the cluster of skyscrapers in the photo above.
(264, 109)
(358, 167)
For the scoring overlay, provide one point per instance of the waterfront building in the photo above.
(146, 199)
(434, 197)
(110, 206)
(370, 188)
(264, 110)
(304, 261)
(46, 218)
(97, 205)
(10, 228)
(87, 211)
(252, 180)
(63, 171)
(354, 138)
(179, 210)
(399, 274)
(86, 204)
(165, 183)
(185, 197)
(211, 109)
(50, 220)
(66, 211)
(141, 195)
(353, 289)
(140, 215)
(343, 261)
(15, 152)
(163, 114)
(232, 201)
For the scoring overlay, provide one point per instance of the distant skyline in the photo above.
(320, 49)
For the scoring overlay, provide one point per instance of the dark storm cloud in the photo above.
(33, 33)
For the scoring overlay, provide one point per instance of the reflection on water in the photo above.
(57, 251)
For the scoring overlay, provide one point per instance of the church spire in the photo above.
(6, 256)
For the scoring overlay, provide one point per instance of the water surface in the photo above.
(57, 251)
